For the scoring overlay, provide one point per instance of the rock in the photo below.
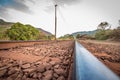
(30, 79)
(60, 71)
(13, 76)
(31, 74)
(1, 65)
(47, 60)
(38, 63)
(24, 77)
(66, 62)
(39, 75)
(35, 75)
(41, 68)
(19, 76)
(61, 78)
(9, 78)
(29, 70)
(48, 66)
(11, 71)
(61, 57)
(52, 62)
(5, 66)
(56, 66)
(55, 61)
(26, 66)
(2, 72)
(48, 75)
(54, 78)
(55, 75)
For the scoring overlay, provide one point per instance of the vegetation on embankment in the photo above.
(19, 31)
(103, 32)
(66, 37)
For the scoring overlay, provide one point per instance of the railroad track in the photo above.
(85, 66)
(89, 67)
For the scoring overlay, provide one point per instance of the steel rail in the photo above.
(88, 67)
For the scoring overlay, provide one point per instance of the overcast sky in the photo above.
(73, 15)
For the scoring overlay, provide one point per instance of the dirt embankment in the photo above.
(51, 61)
(107, 52)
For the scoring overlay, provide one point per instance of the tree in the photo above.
(19, 31)
(116, 33)
(103, 34)
(78, 36)
(66, 37)
(118, 24)
(104, 26)
(51, 37)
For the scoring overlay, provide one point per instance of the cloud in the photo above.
(22, 5)
(61, 3)
(18, 5)
(4, 13)
(65, 2)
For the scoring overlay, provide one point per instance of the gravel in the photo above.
(53, 62)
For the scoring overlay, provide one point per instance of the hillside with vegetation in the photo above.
(19, 31)
(103, 32)
(85, 32)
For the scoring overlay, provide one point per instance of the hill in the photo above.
(44, 32)
(85, 32)
(6, 25)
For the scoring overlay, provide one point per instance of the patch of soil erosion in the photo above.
(51, 61)
(107, 53)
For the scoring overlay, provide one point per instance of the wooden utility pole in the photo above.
(55, 21)
(119, 22)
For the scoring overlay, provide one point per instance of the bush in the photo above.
(116, 34)
(19, 31)
(103, 34)
(3, 36)
(66, 37)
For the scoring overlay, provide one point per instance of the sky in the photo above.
(72, 15)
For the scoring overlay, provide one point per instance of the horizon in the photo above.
(71, 14)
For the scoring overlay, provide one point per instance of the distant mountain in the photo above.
(44, 32)
(2, 21)
(85, 32)
(6, 25)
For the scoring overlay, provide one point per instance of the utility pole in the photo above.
(55, 21)
(119, 22)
